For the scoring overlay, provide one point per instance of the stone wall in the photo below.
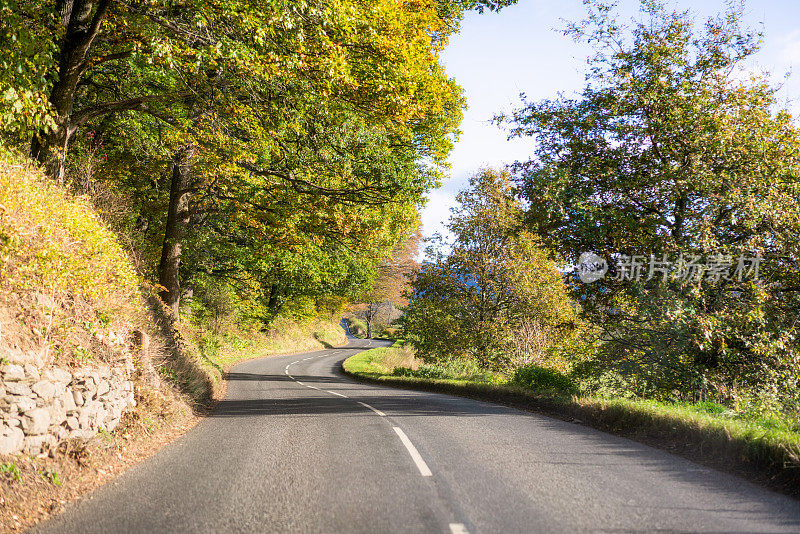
(40, 408)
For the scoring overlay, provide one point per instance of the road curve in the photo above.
(297, 447)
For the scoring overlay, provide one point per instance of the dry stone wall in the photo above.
(40, 408)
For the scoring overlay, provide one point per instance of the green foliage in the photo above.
(668, 150)
(477, 297)
(310, 133)
(78, 254)
(60, 257)
(51, 475)
(11, 470)
(772, 443)
(26, 62)
(543, 379)
(425, 371)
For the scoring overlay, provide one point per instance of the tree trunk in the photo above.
(175, 232)
(274, 302)
(82, 22)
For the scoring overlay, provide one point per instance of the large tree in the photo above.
(472, 296)
(669, 154)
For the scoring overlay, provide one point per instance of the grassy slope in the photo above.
(751, 448)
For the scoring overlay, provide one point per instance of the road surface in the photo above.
(297, 447)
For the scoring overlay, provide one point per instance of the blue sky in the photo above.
(496, 56)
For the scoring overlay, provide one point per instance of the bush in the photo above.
(426, 371)
(539, 378)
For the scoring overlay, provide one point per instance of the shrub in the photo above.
(542, 379)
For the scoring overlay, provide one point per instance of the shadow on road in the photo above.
(259, 377)
(399, 405)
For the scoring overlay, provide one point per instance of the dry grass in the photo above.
(285, 336)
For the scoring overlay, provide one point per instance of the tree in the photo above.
(392, 281)
(669, 153)
(472, 296)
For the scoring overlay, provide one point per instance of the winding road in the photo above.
(298, 447)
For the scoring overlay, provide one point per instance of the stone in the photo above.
(22, 404)
(73, 423)
(103, 388)
(45, 389)
(18, 388)
(77, 396)
(57, 414)
(57, 374)
(68, 401)
(35, 421)
(88, 416)
(13, 421)
(81, 434)
(37, 444)
(13, 372)
(101, 416)
(36, 357)
(31, 372)
(11, 440)
(110, 423)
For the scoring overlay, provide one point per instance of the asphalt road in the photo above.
(297, 447)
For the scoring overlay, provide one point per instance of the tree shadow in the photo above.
(321, 341)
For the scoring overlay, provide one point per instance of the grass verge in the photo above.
(749, 448)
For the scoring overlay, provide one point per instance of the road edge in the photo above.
(676, 436)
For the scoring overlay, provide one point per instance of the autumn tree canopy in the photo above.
(279, 147)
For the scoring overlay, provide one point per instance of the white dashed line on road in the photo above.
(365, 405)
(424, 470)
(458, 528)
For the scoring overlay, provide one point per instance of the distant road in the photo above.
(297, 447)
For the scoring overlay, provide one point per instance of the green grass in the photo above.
(11, 470)
(766, 449)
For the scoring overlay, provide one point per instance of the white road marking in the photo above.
(312, 387)
(287, 372)
(365, 405)
(299, 382)
(424, 470)
(334, 393)
(458, 528)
